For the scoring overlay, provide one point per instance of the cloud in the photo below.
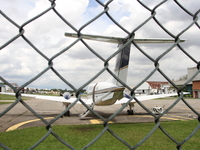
(20, 62)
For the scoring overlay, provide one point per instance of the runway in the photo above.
(20, 117)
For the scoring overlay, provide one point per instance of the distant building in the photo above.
(6, 88)
(152, 87)
(195, 82)
(158, 87)
(194, 85)
(188, 87)
(2, 88)
(29, 90)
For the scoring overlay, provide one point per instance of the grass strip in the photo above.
(9, 97)
(79, 136)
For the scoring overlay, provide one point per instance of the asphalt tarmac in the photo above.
(20, 117)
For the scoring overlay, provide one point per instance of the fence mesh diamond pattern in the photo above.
(130, 30)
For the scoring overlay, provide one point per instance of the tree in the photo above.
(184, 77)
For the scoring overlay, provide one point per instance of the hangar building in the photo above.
(195, 81)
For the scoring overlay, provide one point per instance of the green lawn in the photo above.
(78, 136)
(9, 97)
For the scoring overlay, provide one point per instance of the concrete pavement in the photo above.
(20, 117)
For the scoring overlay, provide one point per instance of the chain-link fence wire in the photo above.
(131, 35)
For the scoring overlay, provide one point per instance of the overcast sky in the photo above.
(20, 62)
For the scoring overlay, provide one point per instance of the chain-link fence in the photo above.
(158, 13)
